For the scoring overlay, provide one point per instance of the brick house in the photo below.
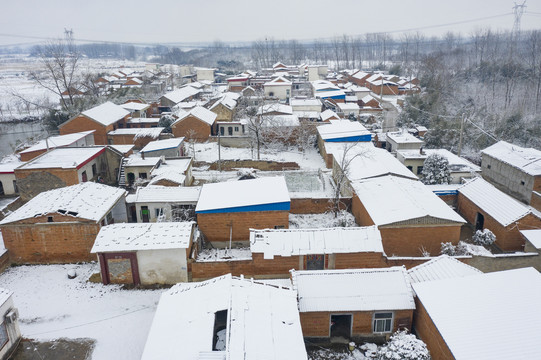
(276, 251)
(475, 317)
(8, 181)
(411, 218)
(513, 169)
(342, 131)
(102, 118)
(185, 93)
(197, 124)
(365, 304)
(279, 88)
(439, 268)
(60, 225)
(173, 172)
(81, 139)
(227, 211)
(67, 166)
(486, 207)
(144, 254)
(138, 137)
(138, 109)
(224, 107)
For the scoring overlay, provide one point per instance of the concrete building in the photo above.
(513, 169)
(10, 334)
(279, 88)
(402, 140)
(168, 148)
(81, 139)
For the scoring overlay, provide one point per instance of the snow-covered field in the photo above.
(52, 306)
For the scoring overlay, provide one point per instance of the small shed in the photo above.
(367, 304)
(144, 254)
(227, 211)
(402, 140)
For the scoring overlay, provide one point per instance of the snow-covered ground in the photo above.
(326, 220)
(52, 306)
(208, 152)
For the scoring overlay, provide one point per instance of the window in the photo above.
(236, 129)
(142, 175)
(489, 166)
(49, 219)
(222, 131)
(419, 170)
(4, 338)
(522, 182)
(383, 322)
(410, 168)
(158, 212)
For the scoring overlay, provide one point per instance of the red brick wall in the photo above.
(507, 238)
(138, 143)
(365, 260)
(208, 270)
(316, 206)
(537, 184)
(183, 127)
(30, 155)
(535, 201)
(408, 241)
(82, 123)
(316, 324)
(50, 242)
(360, 213)
(427, 331)
(216, 227)
(68, 176)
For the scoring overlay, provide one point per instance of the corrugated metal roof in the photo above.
(442, 267)
(353, 290)
(500, 206)
(289, 242)
(167, 194)
(493, 316)
(147, 236)
(526, 159)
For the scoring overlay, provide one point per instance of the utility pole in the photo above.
(219, 151)
(461, 135)
(518, 10)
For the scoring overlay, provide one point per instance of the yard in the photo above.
(51, 306)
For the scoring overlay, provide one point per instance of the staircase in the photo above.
(121, 172)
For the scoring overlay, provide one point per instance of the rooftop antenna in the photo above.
(518, 10)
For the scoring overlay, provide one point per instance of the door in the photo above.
(230, 130)
(84, 176)
(131, 179)
(133, 214)
(479, 222)
(341, 326)
(145, 214)
(1, 188)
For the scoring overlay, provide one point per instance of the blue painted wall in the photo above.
(367, 137)
(263, 207)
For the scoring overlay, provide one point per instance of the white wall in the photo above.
(162, 266)
(14, 333)
(7, 183)
(279, 91)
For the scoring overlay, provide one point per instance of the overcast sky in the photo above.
(155, 21)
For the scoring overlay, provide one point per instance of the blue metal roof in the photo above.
(367, 137)
(281, 206)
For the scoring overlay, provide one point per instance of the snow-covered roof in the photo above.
(307, 114)
(274, 107)
(348, 107)
(65, 158)
(340, 129)
(88, 200)
(166, 194)
(106, 113)
(57, 141)
(143, 236)
(162, 144)
(329, 114)
(456, 163)
(366, 161)
(533, 236)
(135, 106)
(137, 160)
(330, 94)
(366, 99)
(280, 120)
(478, 316)
(138, 132)
(181, 94)
(290, 242)
(500, 206)
(305, 102)
(237, 195)
(144, 120)
(278, 81)
(391, 199)
(323, 85)
(442, 267)
(353, 290)
(5, 294)
(526, 159)
(9, 167)
(201, 113)
(122, 148)
(360, 75)
(229, 100)
(262, 322)
(402, 137)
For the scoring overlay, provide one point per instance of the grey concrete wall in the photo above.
(507, 178)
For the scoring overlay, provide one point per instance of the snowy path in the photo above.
(52, 306)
